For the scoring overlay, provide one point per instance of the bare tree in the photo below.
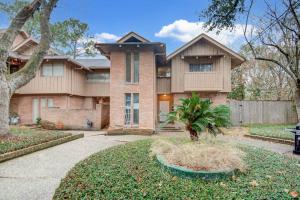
(9, 83)
(277, 31)
(280, 33)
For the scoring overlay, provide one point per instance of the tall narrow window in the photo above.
(136, 63)
(127, 109)
(135, 109)
(128, 67)
(131, 109)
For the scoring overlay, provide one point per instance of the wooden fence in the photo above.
(262, 112)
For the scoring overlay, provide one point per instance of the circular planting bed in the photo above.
(128, 172)
(189, 173)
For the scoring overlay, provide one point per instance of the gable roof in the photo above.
(132, 35)
(13, 54)
(24, 34)
(238, 57)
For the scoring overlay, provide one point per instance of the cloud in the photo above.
(105, 37)
(185, 31)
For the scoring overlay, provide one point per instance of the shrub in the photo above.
(198, 115)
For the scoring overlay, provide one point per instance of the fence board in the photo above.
(262, 112)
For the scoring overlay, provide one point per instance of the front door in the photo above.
(164, 109)
(35, 110)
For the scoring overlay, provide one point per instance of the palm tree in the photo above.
(198, 115)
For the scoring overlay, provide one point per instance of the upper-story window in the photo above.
(163, 72)
(53, 69)
(201, 67)
(132, 67)
(98, 77)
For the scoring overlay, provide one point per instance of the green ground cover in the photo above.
(128, 172)
(276, 131)
(24, 137)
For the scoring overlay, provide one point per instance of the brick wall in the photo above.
(145, 88)
(22, 104)
(74, 118)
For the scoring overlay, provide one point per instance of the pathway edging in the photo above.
(270, 139)
(38, 147)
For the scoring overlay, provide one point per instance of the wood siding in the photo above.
(163, 85)
(206, 81)
(262, 112)
(218, 80)
(97, 89)
(72, 82)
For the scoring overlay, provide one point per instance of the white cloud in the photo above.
(184, 31)
(105, 37)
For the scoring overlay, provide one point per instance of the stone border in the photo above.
(192, 174)
(38, 147)
(271, 139)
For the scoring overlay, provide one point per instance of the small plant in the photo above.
(199, 115)
(38, 121)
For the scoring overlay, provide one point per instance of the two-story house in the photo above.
(145, 83)
(132, 89)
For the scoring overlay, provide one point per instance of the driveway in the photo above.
(37, 175)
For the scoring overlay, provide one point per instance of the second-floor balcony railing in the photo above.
(163, 85)
(97, 89)
(203, 81)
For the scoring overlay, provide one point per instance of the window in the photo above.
(50, 103)
(43, 102)
(53, 69)
(203, 67)
(132, 67)
(127, 109)
(135, 108)
(163, 72)
(58, 69)
(136, 63)
(47, 70)
(128, 67)
(98, 77)
(131, 109)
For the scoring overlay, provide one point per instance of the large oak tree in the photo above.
(9, 83)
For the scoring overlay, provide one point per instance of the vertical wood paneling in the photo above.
(163, 85)
(222, 66)
(262, 112)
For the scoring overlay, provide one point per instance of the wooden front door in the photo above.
(164, 109)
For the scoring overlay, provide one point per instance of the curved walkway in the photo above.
(37, 175)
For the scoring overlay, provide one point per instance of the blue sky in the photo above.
(170, 21)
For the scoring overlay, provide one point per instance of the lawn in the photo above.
(276, 131)
(128, 172)
(25, 137)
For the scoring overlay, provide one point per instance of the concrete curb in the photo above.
(192, 174)
(271, 139)
(38, 147)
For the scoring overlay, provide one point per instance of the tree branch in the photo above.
(296, 17)
(11, 33)
(24, 75)
(279, 64)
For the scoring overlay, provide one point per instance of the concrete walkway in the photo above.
(37, 175)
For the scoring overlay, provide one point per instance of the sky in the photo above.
(173, 22)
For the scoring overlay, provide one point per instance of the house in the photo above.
(131, 90)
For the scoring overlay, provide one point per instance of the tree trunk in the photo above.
(193, 135)
(4, 108)
(297, 101)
